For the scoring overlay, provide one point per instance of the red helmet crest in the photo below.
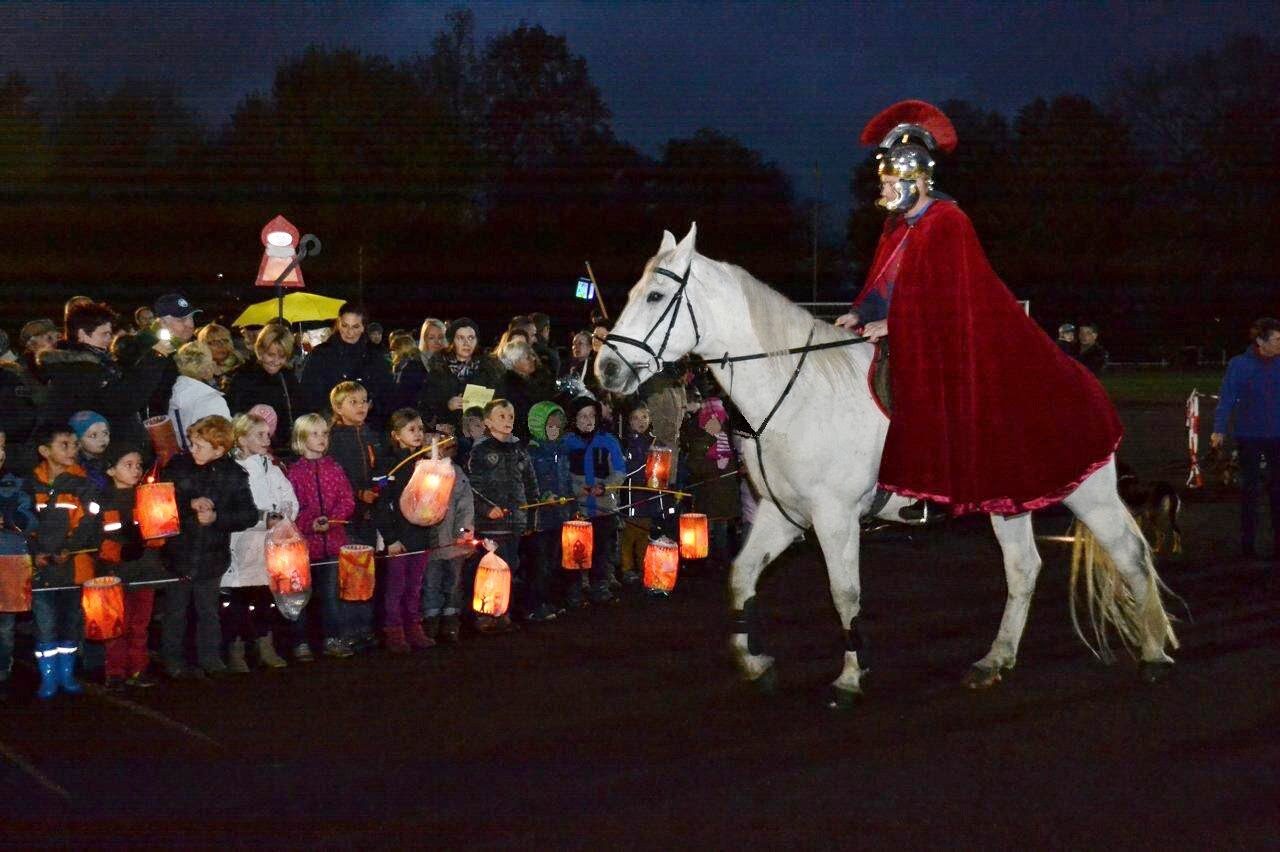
(923, 120)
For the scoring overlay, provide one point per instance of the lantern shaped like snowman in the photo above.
(280, 241)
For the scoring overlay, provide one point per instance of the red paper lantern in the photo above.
(288, 566)
(102, 599)
(693, 536)
(576, 543)
(355, 572)
(156, 510)
(280, 239)
(15, 583)
(493, 586)
(661, 563)
(425, 500)
(657, 467)
(164, 438)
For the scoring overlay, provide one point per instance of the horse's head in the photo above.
(658, 324)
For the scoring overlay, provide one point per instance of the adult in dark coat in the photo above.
(451, 369)
(526, 382)
(347, 356)
(268, 380)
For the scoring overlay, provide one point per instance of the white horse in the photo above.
(820, 437)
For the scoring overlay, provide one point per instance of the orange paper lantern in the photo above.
(157, 510)
(15, 583)
(657, 467)
(661, 563)
(164, 438)
(576, 542)
(288, 566)
(355, 572)
(693, 536)
(425, 500)
(493, 586)
(102, 599)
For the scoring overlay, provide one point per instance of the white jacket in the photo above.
(192, 399)
(271, 493)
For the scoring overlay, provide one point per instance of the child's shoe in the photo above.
(416, 638)
(450, 629)
(236, 663)
(302, 653)
(113, 683)
(47, 661)
(544, 612)
(67, 670)
(337, 648)
(267, 654)
(394, 637)
(141, 680)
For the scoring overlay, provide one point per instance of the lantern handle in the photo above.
(489, 544)
(413, 456)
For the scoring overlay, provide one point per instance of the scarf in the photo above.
(719, 451)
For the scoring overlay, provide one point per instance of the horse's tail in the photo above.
(1111, 604)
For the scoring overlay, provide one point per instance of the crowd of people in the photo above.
(271, 430)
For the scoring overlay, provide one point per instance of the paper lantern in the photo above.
(288, 565)
(661, 563)
(493, 586)
(657, 467)
(425, 500)
(280, 243)
(156, 510)
(164, 438)
(355, 572)
(576, 542)
(102, 599)
(15, 583)
(693, 536)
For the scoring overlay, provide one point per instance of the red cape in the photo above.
(989, 415)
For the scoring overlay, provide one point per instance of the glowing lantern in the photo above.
(657, 467)
(661, 562)
(288, 565)
(493, 586)
(102, 599)
(355, 572)
(15, 583)
(157, 510)
(164, 438)
(693, 536)
(280, 238)
(425, 500)
(576, 542)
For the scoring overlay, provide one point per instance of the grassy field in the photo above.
(1141, 386)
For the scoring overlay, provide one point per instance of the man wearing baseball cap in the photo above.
(174, 326)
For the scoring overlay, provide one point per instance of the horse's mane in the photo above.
(780, 323)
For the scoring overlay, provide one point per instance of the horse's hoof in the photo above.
(845, 699)
(1155, 671)
(767, 683)
(981, 677)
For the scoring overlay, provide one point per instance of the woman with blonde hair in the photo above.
(269, 380)
(193, 398)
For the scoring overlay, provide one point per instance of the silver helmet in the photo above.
(906, 135)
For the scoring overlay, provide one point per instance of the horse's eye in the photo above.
(656, 297)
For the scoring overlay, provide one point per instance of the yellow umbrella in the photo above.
(298, 307)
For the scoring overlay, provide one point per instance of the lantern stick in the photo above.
(557, 501)
(647, 488)
(595, 285)
(413, 456)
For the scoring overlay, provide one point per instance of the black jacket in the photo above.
(251, 385)
(386, 512)
(525, 392)
(503, 473)
(80, 378)
(334, 361)
(122, 552)
(203, 552)
(441, 385)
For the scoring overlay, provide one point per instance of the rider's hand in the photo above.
(850, 320)
(876, 330)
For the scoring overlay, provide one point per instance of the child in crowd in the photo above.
(502, 480)
(643, 507)
(356, 447)
(715, 494)
(550, 460)
(472, 430)
(94, 436)
(406, 565)
(442, 597)
(214, 501)
(595, 463)
(248, 605)
(69, 523)
(325, 503)
(17, 523)
(126, 555)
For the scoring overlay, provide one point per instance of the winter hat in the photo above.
(538, 417)
(461, 322)
(116, 451)
(268, 414)
(83, 421)
(712, 407)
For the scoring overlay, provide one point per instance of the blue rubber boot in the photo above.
(47, 661)
(67, 670)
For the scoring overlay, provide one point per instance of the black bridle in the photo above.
(726, 361)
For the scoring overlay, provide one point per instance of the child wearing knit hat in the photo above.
(94, 435)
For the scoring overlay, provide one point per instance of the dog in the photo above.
(1155, 506)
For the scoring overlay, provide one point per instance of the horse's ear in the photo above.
(687, 244)
(668, 242)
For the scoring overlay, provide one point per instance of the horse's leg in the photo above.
(1021, 567)
(770, 535)
(1099, 507)
(838, 534)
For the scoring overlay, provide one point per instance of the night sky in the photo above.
(795, 81)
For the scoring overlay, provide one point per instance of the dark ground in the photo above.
(627, 727)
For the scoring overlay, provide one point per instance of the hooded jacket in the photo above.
(203, 552)
(595, 458)
(191, 400)
(502, 473)
(323, 492)
(550, 467)
(68, 512)
(79, 377)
